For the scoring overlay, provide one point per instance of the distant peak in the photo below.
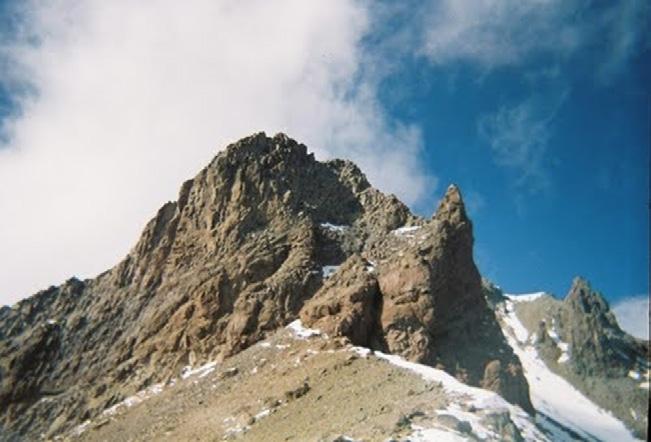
(583, 297)
(581, 288)
(580, 283)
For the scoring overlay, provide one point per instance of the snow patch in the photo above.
(234, 431)
(533, 338)
(362, 351)
(328, 271)
(261, 415)
(520, 331)
(564, 347)
(563, 358)
(301, 332)
(79, 429)
(525, 297)
(137, 398)
(405, 231)
(334, 227)
(434, 435)
(202, 371)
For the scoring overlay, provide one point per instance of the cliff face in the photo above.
(249, 246)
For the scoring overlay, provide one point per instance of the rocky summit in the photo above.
(263, 236)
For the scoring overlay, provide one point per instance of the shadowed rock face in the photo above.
(237, 256)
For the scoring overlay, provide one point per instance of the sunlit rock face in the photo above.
(262, 235)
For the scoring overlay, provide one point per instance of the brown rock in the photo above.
(238, 255)
(347, 304)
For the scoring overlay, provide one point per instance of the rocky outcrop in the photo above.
(422, 298)
(238, 255)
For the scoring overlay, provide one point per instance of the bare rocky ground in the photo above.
(290, 388)
(278, 390)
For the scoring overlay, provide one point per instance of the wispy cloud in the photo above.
(633, 315)
(543, 38)
(474, 201)
(626, 31)
(496, 33)
(120, 101)
(518, 136)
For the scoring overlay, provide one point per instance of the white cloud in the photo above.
(474, 201)
(518, 136)
(495, 33)
(633, 315)
(627, 32)
(548, 38)
(131, 98)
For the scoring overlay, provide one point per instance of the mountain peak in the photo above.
(247, 247)
(452, 207)
(259, 144)
(580, 283)
(582, 295)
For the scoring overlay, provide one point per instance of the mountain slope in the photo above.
(584, 371)
(249, 246)
(299, 384)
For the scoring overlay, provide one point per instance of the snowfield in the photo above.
(555, 399)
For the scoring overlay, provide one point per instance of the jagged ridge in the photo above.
(234, 258)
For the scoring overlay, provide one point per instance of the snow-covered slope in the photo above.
(563, 411)
(469, 404)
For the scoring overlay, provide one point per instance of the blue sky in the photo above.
(551, 151)
(539, 111)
